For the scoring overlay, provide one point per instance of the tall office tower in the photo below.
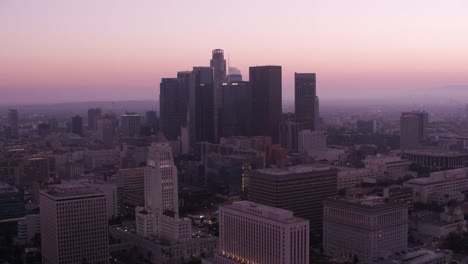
(237, 103)
(13, 122)
(218, 63)
(160, 215)
(152, 121)
(234, 75)
(256, 233)
(106, 130)
(413, 129)
(203, 110)
(34, 169)
(266, 101)
(366, 127)
(306, 99)
(131, 125)
(288, 134)
(77, 125)
(364, 228)
(172, 106)
(73, 224)
(93, 116)
(300, 189)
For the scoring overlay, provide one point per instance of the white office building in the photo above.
(256, 233)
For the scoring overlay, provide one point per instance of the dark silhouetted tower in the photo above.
(152, 121)
(173, 95)
(93, 115)
(413, 127)
(13, 122)
(218, 63)
(131, 124)
(237, 109)
(266, 100)
(203, 111)
(306, 100)
(77, 125)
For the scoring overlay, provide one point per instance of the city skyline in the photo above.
(121, 51)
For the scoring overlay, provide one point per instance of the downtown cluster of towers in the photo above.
(209, 102)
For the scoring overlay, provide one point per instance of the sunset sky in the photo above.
(67, 51)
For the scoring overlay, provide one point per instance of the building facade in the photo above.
(305, 100)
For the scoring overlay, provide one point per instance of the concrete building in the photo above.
(437, 158)
(96, 159)
(28, 228)
(439, 225)
(413, 129)
(366, 228)
(348, 177)
(399, 194)
(300, 189)
(440, 186)
(12, 201)
(255, 233)
(288, 134)
(73, 224)
(106, 130)
(131, 123)
(130, 182)
(258, 143)
(94, 114)
(311, 140)
(366, 127)
(266, 100)
(417, 256)
(306, 101)
(33, 169)
(160, 215)
(388, 167)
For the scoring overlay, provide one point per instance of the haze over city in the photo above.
(61, 51)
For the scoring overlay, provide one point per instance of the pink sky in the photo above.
(116, 50)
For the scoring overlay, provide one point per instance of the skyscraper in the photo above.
(13, 122)
(236, 112)
(73, 224)
(93, 115)
(160, 215)
(131, 123)
(306, 100)
(203, 110)
(256, 233)
(152, 121)
(413, 129)
(106, 130)
(300, 189)
(218, 63)
(77, 125)
(172, 106)
(288, 134)
(266, 100)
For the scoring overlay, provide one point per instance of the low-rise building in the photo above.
(437, 158)
(417, 256)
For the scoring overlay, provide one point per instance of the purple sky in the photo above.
(54, 51)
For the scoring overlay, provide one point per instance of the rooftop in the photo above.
(413, 256)
(294, 169)
(435, 152)
(269, 212)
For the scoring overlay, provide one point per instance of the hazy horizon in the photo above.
(361, 49)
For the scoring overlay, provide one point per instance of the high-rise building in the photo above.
(73, 224)
(306, 100)
(413, 129)
(266, 100)
(236, 112)
(256, 233)
(234, 75)
(152, 121)
(364, 228)
(160, 215)
(12, 201)
(366, 126)
(218, 63)
(77, 125)
(173, 104)
(203, 109)
(288, 134)
(93, 116)
(34, 169)
(300, 189)
(131, 123)
(13, 122)
(106, 130)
